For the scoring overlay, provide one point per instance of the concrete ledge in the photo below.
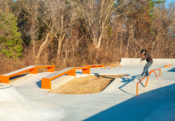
(131, 61)
(19, 70)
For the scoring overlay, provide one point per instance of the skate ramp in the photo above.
(31, 102)
(137, 61)
(15, 107)
(128, 84)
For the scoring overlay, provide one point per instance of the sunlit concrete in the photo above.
(25, 100)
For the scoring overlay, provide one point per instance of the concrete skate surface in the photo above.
(24, 100)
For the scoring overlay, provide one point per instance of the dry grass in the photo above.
(86, 85)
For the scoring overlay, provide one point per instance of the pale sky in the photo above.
(169, 1)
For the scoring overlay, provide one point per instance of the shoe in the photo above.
(147, 74)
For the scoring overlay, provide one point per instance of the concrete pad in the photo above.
(117, 102)
(15, 107)
(159, 61)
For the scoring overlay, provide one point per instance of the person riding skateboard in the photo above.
(146, 56)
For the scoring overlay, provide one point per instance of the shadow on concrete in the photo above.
(126, 81)
(104, 76)
(112, 79)
(18, 76)
(109, 77)
(138, 108)
(79, 72)
(171, 70)
(38, 84)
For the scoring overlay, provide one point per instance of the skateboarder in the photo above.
(146, 55)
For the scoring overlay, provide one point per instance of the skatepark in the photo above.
(127, 98)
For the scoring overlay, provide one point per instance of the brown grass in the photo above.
(86, 85)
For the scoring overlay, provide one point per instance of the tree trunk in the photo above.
(59, 49)
(99, 42)
(43, 45)
(59, 46)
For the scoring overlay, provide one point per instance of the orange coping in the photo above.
(5, 79)
(152, 71)
(114, 66)
(101, 66)
(165, 66)
(85, 70)
(46, 82)
(94, 66)
(32, 70)
(50, 68)
(137, 87)
(71, 72)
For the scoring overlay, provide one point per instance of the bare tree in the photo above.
(99, 15)
(41, 15)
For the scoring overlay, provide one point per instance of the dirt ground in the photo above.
(86, 85)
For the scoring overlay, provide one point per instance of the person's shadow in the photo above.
(126, 81)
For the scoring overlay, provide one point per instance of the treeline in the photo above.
(78, 32)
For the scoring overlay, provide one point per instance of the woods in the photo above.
(78, 32)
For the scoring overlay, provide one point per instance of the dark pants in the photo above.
(145, 70)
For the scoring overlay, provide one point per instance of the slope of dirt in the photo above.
(86, 85)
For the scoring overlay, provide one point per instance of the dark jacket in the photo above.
(147, 56)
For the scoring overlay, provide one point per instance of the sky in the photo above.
(169, 1)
